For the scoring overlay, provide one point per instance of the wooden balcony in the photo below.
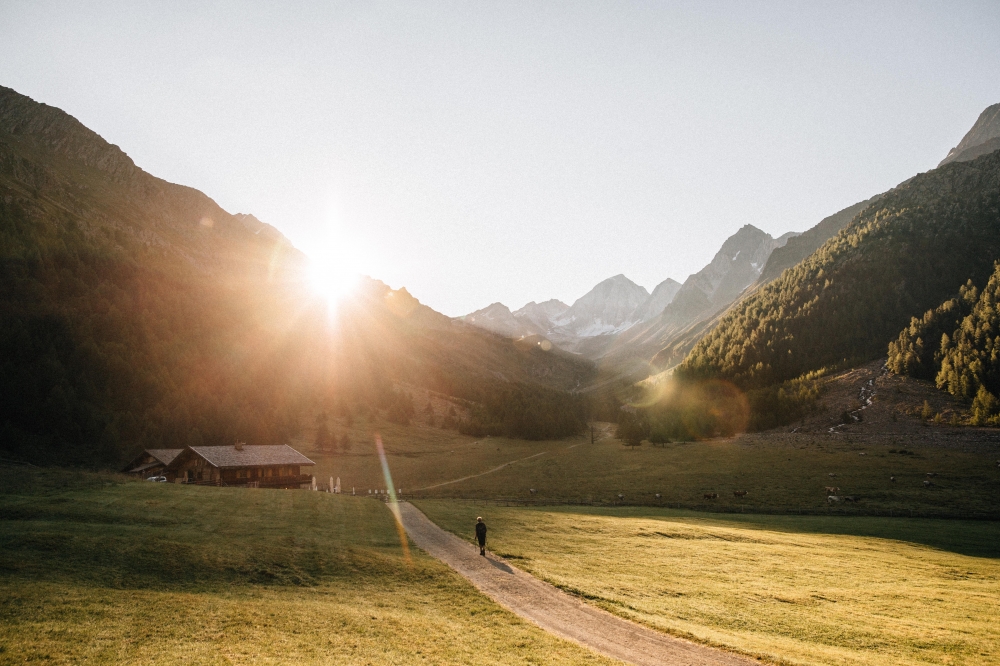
(293, 481)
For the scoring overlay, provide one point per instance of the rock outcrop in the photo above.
(983, 138)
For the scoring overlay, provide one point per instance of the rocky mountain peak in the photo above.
(661, 297)
(495, 317)
(606, 308)
(984, 137)
(541, 315)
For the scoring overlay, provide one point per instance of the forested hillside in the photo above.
(135, 313)
(958, 346)
(901, 256)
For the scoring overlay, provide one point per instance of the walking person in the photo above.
(481, 535)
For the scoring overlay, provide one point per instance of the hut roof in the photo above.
(163, 456)
(251, 455)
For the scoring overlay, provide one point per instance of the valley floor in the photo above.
(555, 610)
(881, 462)
(95, 569)
(788, 589)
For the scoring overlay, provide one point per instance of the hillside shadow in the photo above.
(975, 538)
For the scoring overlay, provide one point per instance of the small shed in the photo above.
(264, 466)
(151, 462)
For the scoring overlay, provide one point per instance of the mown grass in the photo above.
(780, 472)
(798, 590)
(94, 568)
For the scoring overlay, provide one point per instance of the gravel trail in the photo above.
(554, 610)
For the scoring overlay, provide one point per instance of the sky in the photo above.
(479, 151)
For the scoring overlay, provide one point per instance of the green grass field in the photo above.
(797, 590)
(100, 570)
(780, 472)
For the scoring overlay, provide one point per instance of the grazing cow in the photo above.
(532, 491)
(931, 474)
(739, 493)
(657, 495)
(620, 496)
(832, 498)
(851, 498)
(927, 483)
(892, 479)
(711, 495)
(832, 490)
(831, 474)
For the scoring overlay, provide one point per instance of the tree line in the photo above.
(957, 345)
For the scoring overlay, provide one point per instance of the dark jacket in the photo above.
(481, 532)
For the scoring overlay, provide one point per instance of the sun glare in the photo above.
(333, 273)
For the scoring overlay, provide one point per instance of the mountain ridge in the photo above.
(138, 313)
(901, 256)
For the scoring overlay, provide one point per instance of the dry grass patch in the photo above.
(97, 569)
(803, 590)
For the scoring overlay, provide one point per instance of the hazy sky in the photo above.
(482, 151)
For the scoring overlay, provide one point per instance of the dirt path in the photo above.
(499, 467)
(489, 471)
(553, 610)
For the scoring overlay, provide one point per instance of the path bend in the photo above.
(555, 611)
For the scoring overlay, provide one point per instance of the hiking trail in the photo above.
(555, 611)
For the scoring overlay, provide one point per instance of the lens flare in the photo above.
(336, 263)
(393, 501)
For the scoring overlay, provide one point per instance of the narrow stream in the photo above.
(866, 395)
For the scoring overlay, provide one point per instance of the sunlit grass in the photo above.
(100, 571)
(812, 590)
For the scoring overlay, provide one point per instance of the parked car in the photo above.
(157, 479)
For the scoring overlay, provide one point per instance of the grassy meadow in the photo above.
(791, 589)
(97, 569)
(781, 472)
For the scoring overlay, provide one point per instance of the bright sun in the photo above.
(333, 273)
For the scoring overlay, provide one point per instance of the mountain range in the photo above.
(138, 313)
(607, 324)
(618, 318)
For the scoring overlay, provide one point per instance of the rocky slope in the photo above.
(663, 294)
(736, 266)
(607, 308)
(542, 315)
(804, 244)
(983, 138)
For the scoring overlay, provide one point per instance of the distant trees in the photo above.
(323, 439)
(526, 412)
(958, 346)
(400, 409)
(450, 420)
(633, 426)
